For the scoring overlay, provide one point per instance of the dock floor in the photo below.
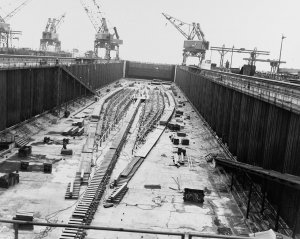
(141, 207)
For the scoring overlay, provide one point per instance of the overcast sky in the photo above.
(148, 37)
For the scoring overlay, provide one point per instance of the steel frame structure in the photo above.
(50, 36)
(224, 50)
(6, 33)
(190, 32)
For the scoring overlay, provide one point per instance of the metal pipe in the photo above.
(181, 234)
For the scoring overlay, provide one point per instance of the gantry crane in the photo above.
(273, 63)
(191, 47)
(248, 69)
(103, 38)
(50, 35)
(6, 34)
(224, 50)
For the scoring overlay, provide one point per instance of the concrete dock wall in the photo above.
(26, 92)
(149, 71)
(257, 132)
(98, 75)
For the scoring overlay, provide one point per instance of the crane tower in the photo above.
(103, 38)
(195, 44)
(6, 33)
(50, 35)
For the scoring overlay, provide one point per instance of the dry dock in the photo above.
(154, 196)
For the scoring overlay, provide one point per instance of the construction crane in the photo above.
(273, 63)
(103, 38)
(50, 36)
(115, 41)
(248, 69)
(191, 47)
(6, 34)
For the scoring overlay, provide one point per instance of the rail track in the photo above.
(152, 111)
(114, 109)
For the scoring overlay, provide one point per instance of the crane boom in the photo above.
(48, 24)
(6, 34)
(103, 38)
(52, 25)
(190, 31)
(60, 21)
(192, 48)
(2, 20)
(17, 9)
(93, 10)
(178, 24)
(116, 33)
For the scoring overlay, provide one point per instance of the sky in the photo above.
(148, 36)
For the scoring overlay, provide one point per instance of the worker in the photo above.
(227, 64)
(64, 144)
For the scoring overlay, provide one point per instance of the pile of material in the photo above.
(24, 216)
(193, 195)
(24, 151)
(8, 179)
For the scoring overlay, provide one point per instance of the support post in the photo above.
(232, 180)
(244, 180)
(279, 206)
(58, 88)
(249, 200)
(16, 227)
(296, 218)
(264, 198)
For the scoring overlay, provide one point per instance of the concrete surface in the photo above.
(141, 208)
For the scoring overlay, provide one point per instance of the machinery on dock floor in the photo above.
(50, 35)
(103, 38)
(191, 47)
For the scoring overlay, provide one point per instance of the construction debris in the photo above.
(193, 195)
(24, 216)
(8, 179)
(24, 151)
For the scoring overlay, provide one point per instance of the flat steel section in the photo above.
(286, 179)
